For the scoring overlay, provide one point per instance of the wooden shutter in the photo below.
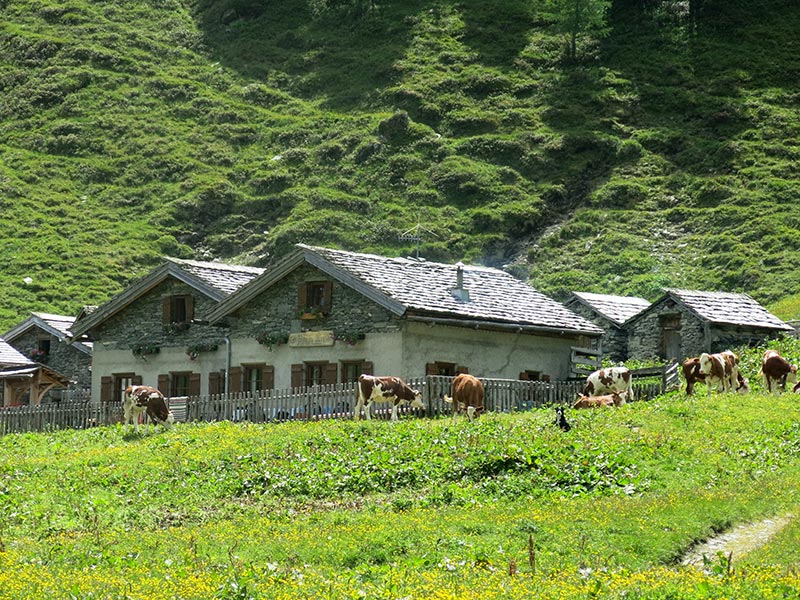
(194, 384)
(431, 369)
(297, 376)
(268, 378)
(214, 383)
(235, 384)
(367, 368)
(327, 297)
(524, 376)
(330, 373)
(189, 308)
(163, 384)
(302, 296)
(166, 307)
(106, 389)
(136, 380)
(462, 369)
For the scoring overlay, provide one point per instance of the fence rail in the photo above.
(320, 402)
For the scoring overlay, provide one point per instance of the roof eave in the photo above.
(503, 325)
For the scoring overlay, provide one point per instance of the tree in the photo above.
(575, 18)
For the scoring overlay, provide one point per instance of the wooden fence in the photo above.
(322, 402)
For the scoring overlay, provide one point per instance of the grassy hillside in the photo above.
(506, 507)
(231, 129)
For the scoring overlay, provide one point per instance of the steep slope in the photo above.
(232, 129)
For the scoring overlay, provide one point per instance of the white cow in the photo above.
(607, 381)
(145, 399)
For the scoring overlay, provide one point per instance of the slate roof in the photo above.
(224, 277)
(10, 357)
(213, 279)
(56, 325)
(413, 288)
(616, 309)
(728, 308)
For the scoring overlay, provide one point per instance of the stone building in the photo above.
(610, 313)
(150, 332)
(324, 316)
(685, 323)
(45, 338)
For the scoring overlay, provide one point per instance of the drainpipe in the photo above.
(227, 339)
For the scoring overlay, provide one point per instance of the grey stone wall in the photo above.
(63, 358)
(614, 341)
(645, 335)
(141, 321)
(275, 311)
(726, 337)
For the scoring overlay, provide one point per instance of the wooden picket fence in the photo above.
(323, 402)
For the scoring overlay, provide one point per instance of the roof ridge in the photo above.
(214, 265)
(405, 259)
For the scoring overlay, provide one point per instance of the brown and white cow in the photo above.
(605, 381)
(612, 399)
(692, 375)
(721, 369)
(776, 369)
(467, 396)
(145, 399)
(384, 389)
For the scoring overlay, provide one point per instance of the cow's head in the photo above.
(705, 363)
(792, 376)
(417, 401)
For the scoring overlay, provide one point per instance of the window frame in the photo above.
(176, 377)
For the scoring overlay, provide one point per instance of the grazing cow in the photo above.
(612, 399)
(561, 420)
(605, 381)
(145, 399)
(776, 369)
(692, 375)
(467, 396)
(722, 370)
(796, 388)
(384, 389)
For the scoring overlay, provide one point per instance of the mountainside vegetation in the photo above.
(661, 149)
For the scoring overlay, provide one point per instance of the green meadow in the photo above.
(508, 506)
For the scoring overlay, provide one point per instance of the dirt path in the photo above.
(739, 541)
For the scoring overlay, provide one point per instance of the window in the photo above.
(315, 296)
(177, 309)
(179, 384)
(315, 373)
(351, 370)
(253, 378)
(43, 346)
(441, 368)
(121, 381)
(530, 375)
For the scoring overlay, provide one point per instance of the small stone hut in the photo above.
(610, 313)
(685, 323)
(44, 338)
